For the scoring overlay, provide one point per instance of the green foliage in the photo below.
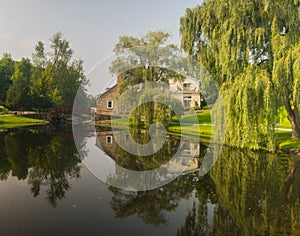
(146, 59)
(52, 79)
(18, 94)
(42, 95)
(251, 49)
(62, 74)
(246, 193)
(4, 110)
(6, 71)
(153, 105)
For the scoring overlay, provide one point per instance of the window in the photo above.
(186, 86)
(108, 139)
(187, 101)
(110, 104)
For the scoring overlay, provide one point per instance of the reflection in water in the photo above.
(106, 141)
(245, 193)
(138, 172)
(257, 194)
(152, 206)
(43, 159)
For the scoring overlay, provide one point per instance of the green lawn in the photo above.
(283, 121)
(284, 140)
(12, 121)
(193, 126)
(203, 118)
(203, 130)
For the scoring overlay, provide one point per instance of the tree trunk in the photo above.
(294, 118)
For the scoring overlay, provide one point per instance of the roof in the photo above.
(107, 90)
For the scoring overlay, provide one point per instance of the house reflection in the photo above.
(187, 153)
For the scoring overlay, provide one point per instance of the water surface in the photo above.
(46, 189)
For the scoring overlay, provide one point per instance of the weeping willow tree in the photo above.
(252, 50)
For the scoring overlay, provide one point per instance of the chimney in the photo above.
(120, 79)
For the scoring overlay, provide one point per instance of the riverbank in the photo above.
(13, 121)
(202, 129)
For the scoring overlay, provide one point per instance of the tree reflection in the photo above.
(291, 187)
(133, 162)
(152, 205)
(245, 193)
(46, 161)
(255, 195)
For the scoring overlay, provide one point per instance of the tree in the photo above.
(57, 76)
(252, 50)
(6, 71)
(146, 59)
(41, 88)
(41, 80)
(18, 94)
(68, 74)
(39, 57)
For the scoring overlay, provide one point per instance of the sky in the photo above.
(92, 27)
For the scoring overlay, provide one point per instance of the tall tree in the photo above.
(41, 80)
(38, 56)
(57, 76)
(6, 71)
(67, 72)
(147, 59)
(43, 97)
(252, 50)
(18, 94)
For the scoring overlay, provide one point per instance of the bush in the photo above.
(3, 110)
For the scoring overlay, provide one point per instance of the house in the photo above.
(187, 91)
(106, 101)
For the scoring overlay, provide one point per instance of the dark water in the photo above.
(46, 189)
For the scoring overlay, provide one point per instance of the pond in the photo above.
(46, 189)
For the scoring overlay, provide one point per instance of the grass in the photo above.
(200, 132)
(12, 121)
(193, 126)
(283, 121)
(202, 128)
(284, 140)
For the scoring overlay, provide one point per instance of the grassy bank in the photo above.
(201, 128)
(12, 121)
(286, 142)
